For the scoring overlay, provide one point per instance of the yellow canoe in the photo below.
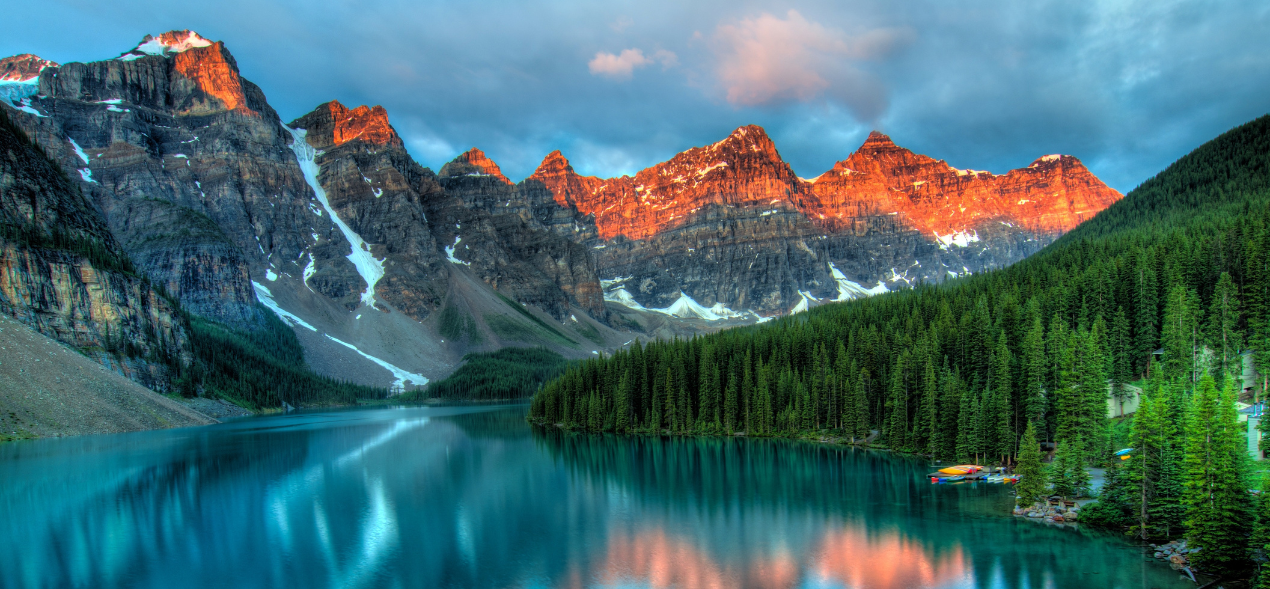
(971, 468)
(954, 470)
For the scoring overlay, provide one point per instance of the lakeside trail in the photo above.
(48, 390)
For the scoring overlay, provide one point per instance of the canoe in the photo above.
(969, 468)
(954, 470)
(1124, 452)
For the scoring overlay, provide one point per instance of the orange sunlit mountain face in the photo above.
(214, 73)
(1052, 195)
(477, 158)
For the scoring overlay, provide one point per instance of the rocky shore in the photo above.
(1176, 553)
(1049, 512)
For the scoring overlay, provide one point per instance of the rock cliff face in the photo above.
(20, 68)
(1051, 196)
(187, 162)
(63, 273)
(378, 192)
(730, 227)
(417, 224)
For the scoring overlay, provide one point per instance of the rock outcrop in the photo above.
(23, 67)
(378, 192)
(1051, 196)
(63, 273)
(492, 226)
(188, 163)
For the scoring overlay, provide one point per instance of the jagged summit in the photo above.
(473, 162)
(555, 162)
(332, 124)
(1054, 159)
(878, 136)
(1052, 195)
(167, 44)
(20, 68)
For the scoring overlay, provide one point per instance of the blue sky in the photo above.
(616, 86)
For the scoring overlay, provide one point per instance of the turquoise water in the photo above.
(474, 497)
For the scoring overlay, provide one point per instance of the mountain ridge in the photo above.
(209, 190)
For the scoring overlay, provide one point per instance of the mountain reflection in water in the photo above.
(474, 497)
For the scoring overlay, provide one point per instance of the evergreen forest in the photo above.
(509, 373)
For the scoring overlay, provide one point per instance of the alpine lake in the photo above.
(473, 496)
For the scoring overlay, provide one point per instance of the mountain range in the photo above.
(390, 273)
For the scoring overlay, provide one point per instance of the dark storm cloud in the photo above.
(617, 86)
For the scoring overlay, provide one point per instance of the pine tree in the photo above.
(1223, 334)
(747, 391)
(1218, 507)
(1092, 393)
(950, 412)
(1067, 473)
(862, 405)
(671, 414)
(1034, 375)
(1121, 361)
(730, 402)
(1001, 411)
(927, 429)
(1178, 334)
(1146, 330)
(1259, 544)
(1031, 486)
(1167, 511)
(967, 438)
(623, 408)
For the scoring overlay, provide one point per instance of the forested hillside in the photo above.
(957, 370)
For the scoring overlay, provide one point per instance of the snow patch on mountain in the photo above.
(804, 302)
(78, 151)
(684, 307)
(17, 94)
(266, 298)
(849, 289)
(957, 238)
(370, 268)
(402, 376)
(449, 252)
(156, 46)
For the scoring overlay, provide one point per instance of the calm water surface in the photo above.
(474, 497)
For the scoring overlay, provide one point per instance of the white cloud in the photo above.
(621, 66)
(769, 60)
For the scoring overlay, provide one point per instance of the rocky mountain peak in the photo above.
(1051, 196)
(555, 163)
(333, 124)
(20, 68)
(473, 162)
(206, 63)
(170, 43)
(749, 138)
(1054, 160)
(877, 138)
